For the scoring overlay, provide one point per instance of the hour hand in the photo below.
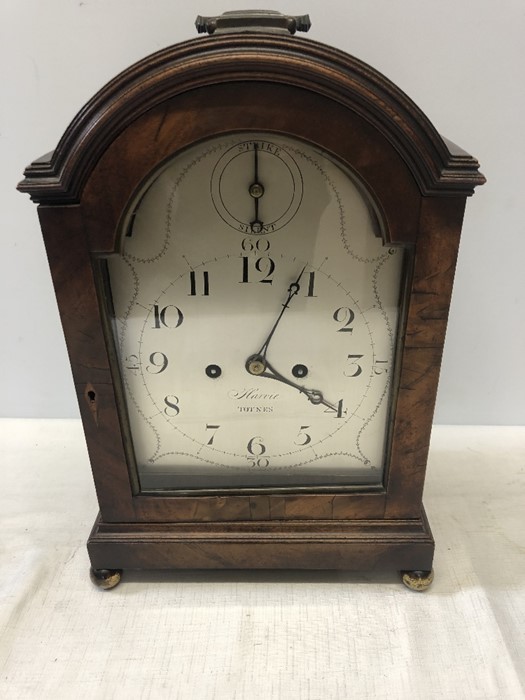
(260, 367)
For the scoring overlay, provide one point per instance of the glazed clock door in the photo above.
(255, 310)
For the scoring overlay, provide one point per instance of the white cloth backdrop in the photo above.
(262, 635)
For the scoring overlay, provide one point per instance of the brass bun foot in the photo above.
(105, 578)
(417, 580)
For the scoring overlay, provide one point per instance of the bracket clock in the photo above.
(252, 238)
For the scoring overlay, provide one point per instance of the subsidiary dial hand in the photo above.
(292, 291)
(256, 191)
(260, 367)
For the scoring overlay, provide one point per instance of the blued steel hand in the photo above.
(260, 367)
(292, 291)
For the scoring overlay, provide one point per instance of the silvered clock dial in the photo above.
(255, 312)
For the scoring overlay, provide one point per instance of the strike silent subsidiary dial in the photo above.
(257, 187)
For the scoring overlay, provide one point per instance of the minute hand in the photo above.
(292, 291)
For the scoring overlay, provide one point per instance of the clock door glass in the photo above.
(255, 311)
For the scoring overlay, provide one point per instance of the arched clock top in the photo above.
(436, 166)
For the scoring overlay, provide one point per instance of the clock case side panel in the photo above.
(420, 351)
(78, 303)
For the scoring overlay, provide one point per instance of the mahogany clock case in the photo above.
(418, 182)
